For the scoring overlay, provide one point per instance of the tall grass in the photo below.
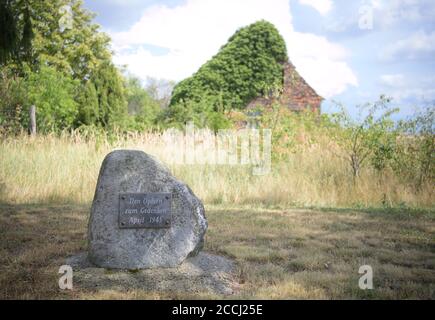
(64, 169)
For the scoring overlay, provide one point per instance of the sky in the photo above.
(349, 51)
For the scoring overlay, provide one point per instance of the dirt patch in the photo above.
(205, 273)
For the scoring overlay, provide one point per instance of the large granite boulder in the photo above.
(127, 176)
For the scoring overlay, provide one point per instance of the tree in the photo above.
(80, 50)
(53, 94)
(160, 90)
(17, 32)
(66, 38)
(109, 86)
(365, 139)
(12, 101)
(140, 104)
(87, 98)
(242, 70)
(60, 35)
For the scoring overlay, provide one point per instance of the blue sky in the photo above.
(349, 51)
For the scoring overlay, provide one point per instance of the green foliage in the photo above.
(12, 100)
(9, 34)
(372, 141)
(17, 34)
(109, 87)
(243, 69)
(83, 52)
(53, 94)
(415, 157)
(141, 106)
(68, 49)
(291, 131)
(202, 113)
(371, 138)
(87, 98)
(76, 51)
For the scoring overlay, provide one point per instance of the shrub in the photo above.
(53, 95)
(202, 113)
(414, 159)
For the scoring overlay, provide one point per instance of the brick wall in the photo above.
(297, 95)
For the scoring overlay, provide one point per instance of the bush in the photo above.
(369, 139)
(202, 113)
(53, 95)
(141, 107)
(414, 160)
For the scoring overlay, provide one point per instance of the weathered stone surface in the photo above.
(128, 171)
(205, 273)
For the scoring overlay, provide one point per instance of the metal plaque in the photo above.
(145, 210)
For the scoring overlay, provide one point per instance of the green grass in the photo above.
(280, 253)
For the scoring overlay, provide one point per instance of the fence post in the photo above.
(32, 123)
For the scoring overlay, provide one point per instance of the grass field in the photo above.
(55, 170)
(280, 253)
(285, 243)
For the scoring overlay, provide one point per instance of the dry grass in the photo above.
(64, 170)
(281, 254)
(47, 184)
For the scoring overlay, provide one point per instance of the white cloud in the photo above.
(415, 46)
(419, 96)
(393, 80)
(322, 6)
(195, 30)
(401, 88)
(123, 2)
(389, 15)
(391, 12)
(321, 63)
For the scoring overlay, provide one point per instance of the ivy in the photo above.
(243, 69)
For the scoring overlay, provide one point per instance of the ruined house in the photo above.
(297, 95)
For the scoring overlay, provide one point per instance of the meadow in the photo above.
(64, 169)
(300, 232)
